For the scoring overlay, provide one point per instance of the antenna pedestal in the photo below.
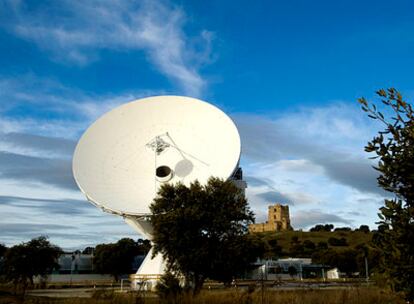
(152, 268)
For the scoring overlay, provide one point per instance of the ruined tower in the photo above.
(278, 219)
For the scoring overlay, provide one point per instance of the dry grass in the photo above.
(355, 295)
(317, 296)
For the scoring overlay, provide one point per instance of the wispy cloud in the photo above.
(328, 139)
(56, 172)
(311, 159)
(40, 124)
(68, 207)
(309, 218)
(75, 32)
(37, 145)
(44, 106)
(305, 158)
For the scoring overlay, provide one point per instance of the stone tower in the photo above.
(278, 219)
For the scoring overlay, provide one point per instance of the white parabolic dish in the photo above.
(115, 161)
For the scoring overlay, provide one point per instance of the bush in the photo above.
(169, 288)
(343, 229)
(337, 242)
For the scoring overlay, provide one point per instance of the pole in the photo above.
(366, 269)
(263, 271)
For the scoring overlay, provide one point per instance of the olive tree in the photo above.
(201, 231)
(23, 262)
(394, 149)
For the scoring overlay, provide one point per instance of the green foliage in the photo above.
(315, 245)
(337, 242)
(322, 245)
(298, 243)
(297, 248)
(394, 149)
(326, 227)
(343, 229)
(202, 231)
(3, 250)
(272, 249)
(363, 228)
(88, 250)
(169, 288)
(116, 259)
(346, 260)
(35, 258)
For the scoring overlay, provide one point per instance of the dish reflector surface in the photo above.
(123, 158)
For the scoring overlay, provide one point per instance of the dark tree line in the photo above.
(330, 227)
(117, 258)
(21, 263)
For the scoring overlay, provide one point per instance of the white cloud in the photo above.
(74, 32)
(290, 158)
(312, 159)
(298, 165)
(51, 108)
(309, 218)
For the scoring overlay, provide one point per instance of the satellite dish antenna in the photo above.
(127, 154)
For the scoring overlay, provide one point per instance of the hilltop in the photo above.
(286, 239)
(344, 249)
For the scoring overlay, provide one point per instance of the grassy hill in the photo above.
(347, 250)
(353, 238)
(304, 243)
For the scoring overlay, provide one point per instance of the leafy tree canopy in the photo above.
(394, 149)
(117, 258)
(35, 258)
(201, 230)
(363, 228)
(319, 227)
(3, 250)
(88, 250)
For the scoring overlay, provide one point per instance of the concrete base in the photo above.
(152, 268)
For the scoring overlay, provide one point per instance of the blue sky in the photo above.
(288, 73)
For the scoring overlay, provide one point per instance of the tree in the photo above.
(3, 250)
(25, 261)
(201, 231)
(337, 242)
(394, 149)
(328, 227)
(88, 250)
(144, 246)
(292, 271)
(322, 245)
(309, 245)
(363, 228)
(117, 258)
(169, 288)
(319, 227)
(272, 248)
(345, 260)
(343, 229)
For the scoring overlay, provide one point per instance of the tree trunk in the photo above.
(198, 283)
